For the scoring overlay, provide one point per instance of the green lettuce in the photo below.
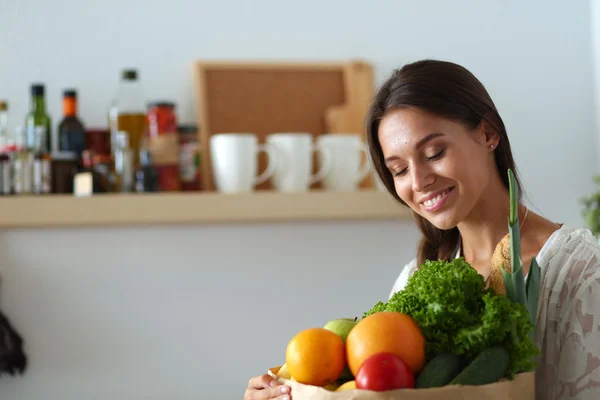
(456, 313)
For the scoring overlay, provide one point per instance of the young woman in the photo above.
(440, 147)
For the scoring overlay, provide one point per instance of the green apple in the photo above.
(342, 327)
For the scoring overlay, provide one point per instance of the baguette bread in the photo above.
(500, 259)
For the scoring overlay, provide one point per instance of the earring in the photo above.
(491, 146)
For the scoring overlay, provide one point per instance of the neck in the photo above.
(485, 227)
(38, 104)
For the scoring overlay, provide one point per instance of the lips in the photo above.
(433, 200)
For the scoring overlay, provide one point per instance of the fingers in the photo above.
(262, 382)
(280, 392)
(264, 387)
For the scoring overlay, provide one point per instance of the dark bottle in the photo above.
(37, 120)
(71, 132)
(146, 176)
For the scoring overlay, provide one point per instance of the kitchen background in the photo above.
(192, 312)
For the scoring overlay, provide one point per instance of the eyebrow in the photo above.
(419, 144)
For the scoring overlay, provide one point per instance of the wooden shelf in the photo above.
(191, 208)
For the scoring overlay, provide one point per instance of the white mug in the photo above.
(234, 160)
(347, 171)
(293, 172)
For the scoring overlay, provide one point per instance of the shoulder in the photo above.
(574, 243)
(402, 279)
(571, 258)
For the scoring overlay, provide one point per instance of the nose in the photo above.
(421, 178)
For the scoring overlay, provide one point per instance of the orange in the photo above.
(386, 331)
(316, 356)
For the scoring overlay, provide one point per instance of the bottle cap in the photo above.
(37, 89)
(70, 93)
(129, 74)
(3, 105)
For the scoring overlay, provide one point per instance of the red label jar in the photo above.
(163, 143)
(189, 158)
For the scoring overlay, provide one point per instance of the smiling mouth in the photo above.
(432, 202)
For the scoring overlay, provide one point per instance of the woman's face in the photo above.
(440, 168)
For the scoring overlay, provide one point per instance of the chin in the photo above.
(444, 225)
(442, 222)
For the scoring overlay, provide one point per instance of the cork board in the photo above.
(267, 97)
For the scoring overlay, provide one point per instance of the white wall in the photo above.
(160, 313)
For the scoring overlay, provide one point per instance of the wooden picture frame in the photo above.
(267, 97)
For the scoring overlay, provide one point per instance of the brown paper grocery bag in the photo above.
(522, 387)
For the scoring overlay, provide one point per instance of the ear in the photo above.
(487, 136)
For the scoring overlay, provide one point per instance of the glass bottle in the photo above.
(23, 161)
(146, 175)
(5, 160)
(6, 154)
(37, 119)
(41, 169)
(64, 166)
(124, 163)
(71, 132)
(127, 113)
(3, 125)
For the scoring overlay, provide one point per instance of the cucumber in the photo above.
(440, 370)
(488, 367)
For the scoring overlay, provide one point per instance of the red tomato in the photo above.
(384, 371)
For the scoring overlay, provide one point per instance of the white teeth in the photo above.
(433, 202)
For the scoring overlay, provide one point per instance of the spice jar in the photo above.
(163, 143)
(189, 157)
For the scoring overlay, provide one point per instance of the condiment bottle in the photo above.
(123, 163)
(146, 176)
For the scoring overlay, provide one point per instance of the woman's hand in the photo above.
(265, 387)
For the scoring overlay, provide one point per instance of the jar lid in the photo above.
(161, 104)
(191, 128)
(3, 105)
(96, 131)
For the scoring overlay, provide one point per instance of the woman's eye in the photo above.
(400, 172)
(436, 156)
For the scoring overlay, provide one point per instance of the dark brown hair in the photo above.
(449, 91)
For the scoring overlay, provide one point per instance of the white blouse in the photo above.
(568, 320)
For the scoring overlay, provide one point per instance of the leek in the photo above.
(519, 290)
